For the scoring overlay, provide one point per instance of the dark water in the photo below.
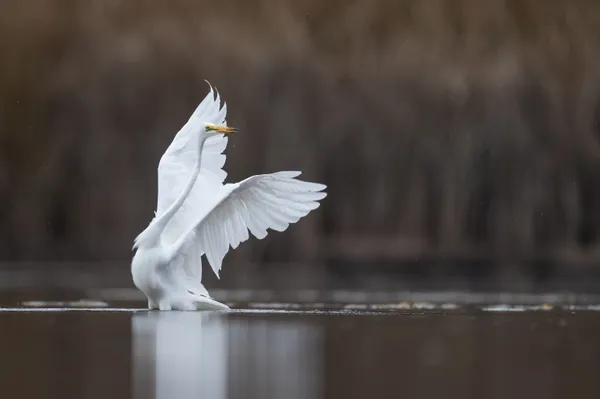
(128, 353)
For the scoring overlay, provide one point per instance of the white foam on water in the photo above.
(65, 309)
(503, 308)
(83, 303)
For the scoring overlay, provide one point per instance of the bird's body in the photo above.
(199, 215)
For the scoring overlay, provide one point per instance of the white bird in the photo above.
(198, 214)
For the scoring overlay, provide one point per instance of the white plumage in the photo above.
(199, 215)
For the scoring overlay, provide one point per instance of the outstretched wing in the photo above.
(178, 161)
(271, 201)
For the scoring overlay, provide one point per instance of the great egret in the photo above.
(198, 214)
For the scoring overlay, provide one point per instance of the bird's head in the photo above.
(210, 129)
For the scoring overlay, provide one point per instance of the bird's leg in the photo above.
(164, 305)
(151, 305)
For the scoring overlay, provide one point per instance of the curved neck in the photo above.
(151, 235)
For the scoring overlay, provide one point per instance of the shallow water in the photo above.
(104, 351)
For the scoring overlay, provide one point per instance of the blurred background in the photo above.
(459, 139)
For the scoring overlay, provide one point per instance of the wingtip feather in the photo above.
(289, 174)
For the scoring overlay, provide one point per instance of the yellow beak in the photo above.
(223, 129)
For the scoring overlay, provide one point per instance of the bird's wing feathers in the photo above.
(179, 159)
(271, 201)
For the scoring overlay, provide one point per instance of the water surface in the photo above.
(127, 352)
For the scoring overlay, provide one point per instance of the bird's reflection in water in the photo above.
(179, 355)
(215, 355)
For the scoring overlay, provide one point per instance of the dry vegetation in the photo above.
(442, 124)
